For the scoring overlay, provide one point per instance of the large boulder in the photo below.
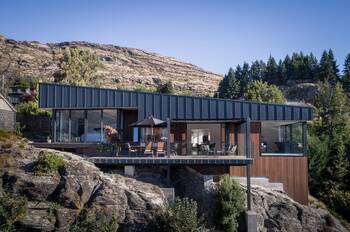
(278, 212)
(79, 185)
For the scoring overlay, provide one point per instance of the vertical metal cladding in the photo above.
(58, 96)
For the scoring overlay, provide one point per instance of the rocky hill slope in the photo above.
(123, 67)
(80, 185)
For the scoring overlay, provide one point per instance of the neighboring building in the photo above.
(7, 115)
(269, 140)
(16, 92)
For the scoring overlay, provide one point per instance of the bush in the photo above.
(181, 216)
(90, 221)
(11, 210)
(263, 92)
(229, 203)
(47, 163)
(165, 88)
(4, 135)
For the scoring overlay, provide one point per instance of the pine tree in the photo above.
(328, 68)
(230, 86)
(271, 70)
(244, 77)
(346, 74)
(258, 70)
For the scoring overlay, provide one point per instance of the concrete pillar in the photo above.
(129, 170)
(251, 221)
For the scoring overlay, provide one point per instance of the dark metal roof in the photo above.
(162, 106)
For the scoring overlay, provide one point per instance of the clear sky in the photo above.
(211, 34)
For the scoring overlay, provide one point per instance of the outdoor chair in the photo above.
(160, 149)
(149, 149)
(231, 150)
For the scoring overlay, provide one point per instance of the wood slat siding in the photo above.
(291, 171)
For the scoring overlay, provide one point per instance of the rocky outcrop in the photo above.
(300, 92)
(79, 185)
(127, 68)
(277, 212)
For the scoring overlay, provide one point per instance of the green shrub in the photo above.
(11, 210)
(181, 216)
(229, 203)
(90, 221)
(263, 92)
(47, 163)
(4, 135)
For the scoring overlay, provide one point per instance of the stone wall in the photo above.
(7, 120)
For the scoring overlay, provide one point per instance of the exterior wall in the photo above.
(7, 120)
(289, 170)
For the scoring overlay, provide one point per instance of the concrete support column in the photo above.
(129, 170)
(251, 221)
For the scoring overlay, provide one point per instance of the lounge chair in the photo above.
(231, 150)
(148, 150)
(160, 149)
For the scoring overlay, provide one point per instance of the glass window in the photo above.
(282, 138)
(109, 119)
(154, 134)
(135, 134)
(94, 126)
(77, 126)
(62, 126)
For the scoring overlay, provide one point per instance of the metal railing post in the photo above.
(248, 155)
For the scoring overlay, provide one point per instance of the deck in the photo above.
(173, 160)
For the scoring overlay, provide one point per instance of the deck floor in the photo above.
(173, 160)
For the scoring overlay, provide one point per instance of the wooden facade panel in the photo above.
(291, 171)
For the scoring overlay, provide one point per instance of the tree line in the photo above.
(292, 69)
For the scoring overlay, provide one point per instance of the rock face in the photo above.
(277, 212)
(300, 92)
(123, 67)
(79, 185)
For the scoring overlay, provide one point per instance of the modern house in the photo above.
(211, 135)
(7, 114)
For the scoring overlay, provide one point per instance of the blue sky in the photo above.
(213, 34)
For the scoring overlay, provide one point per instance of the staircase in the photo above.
(260, 181)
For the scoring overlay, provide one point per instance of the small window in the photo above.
(282, 138)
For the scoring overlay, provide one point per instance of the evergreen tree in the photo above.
(271, 70)
(346, 74)
(244, 77)
(258, 70)
(329, 164)
(328, 68)
(230, 86)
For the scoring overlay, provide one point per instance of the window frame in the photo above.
(278, 154)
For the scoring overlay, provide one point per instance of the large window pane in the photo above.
(282, 137)
(154, 134)
(62, 126)
(77, 126)
(109, 119)
(93, 126)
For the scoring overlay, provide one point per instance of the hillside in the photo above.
(128, 68)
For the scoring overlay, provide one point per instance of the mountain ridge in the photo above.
(128, 68)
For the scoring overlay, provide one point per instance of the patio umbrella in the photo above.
(149, 122)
